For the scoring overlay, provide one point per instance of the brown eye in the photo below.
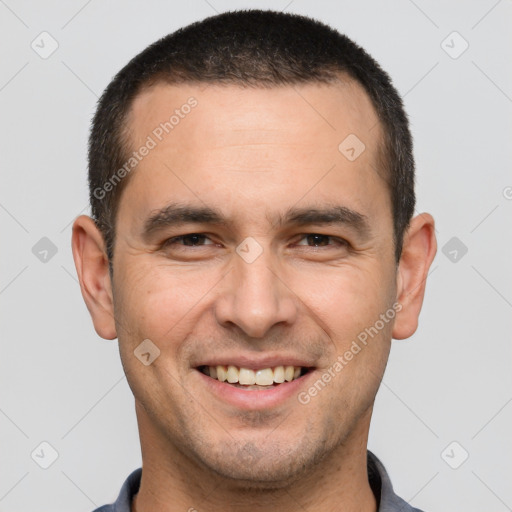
(193, 239)
(319, 240)
(189, 240)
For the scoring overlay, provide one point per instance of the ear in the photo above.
(91, 264)
(419, 249)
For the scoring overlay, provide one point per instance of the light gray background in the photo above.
(62, 384)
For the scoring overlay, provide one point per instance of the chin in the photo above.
(265, 465)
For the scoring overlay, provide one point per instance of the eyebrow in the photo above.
(325, 215)
(177, 214)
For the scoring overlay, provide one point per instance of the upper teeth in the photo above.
(246, 376)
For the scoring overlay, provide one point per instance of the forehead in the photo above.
(233, 110)
(210, 138)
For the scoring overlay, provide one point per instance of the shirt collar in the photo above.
(387, 500)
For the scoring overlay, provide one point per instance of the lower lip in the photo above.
(253, 399)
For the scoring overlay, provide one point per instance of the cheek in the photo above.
(159, 302)
(344, 300)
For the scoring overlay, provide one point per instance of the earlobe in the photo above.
(418, 252)
(93, 274)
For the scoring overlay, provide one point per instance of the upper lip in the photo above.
(255, 363)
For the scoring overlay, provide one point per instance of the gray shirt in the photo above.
(387, 500)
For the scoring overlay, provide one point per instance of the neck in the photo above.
(171, 481)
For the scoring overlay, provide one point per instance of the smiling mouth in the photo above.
(266, 378)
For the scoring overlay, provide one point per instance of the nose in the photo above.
(255, 298)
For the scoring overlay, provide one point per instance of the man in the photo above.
(252, 247)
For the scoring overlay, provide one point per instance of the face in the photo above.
(247, 238)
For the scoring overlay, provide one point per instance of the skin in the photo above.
(252, 154)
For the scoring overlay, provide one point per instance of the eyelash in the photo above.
(176, 239)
